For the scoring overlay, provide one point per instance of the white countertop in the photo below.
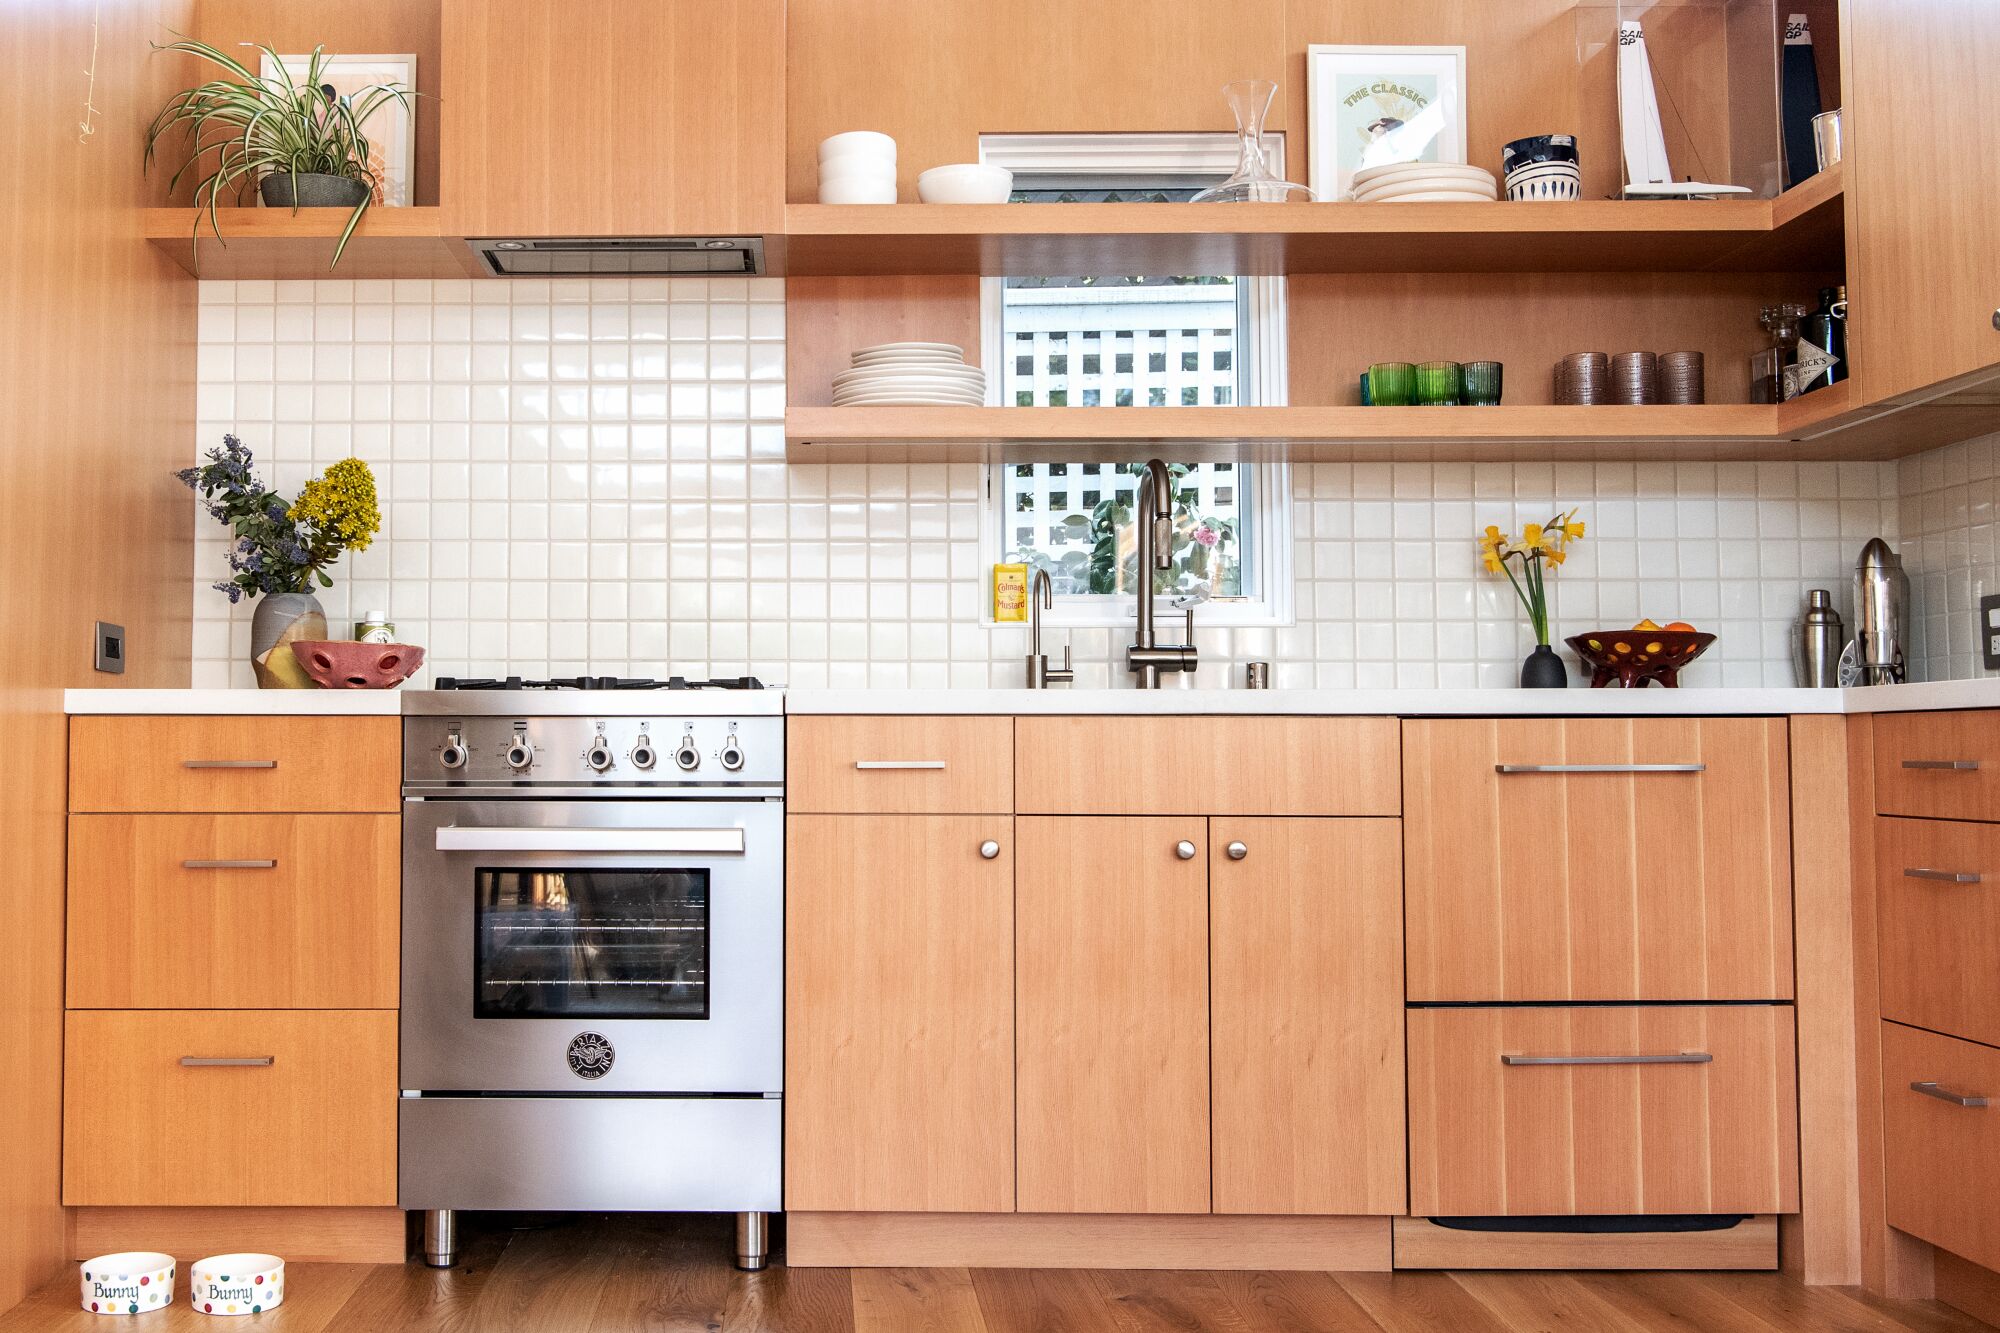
(1649, 702)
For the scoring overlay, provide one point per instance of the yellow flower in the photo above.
(1555, 554)
(1572, 530)
(1491, 561)
(1531, 536)
(340, 505)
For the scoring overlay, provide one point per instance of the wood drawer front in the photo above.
(1939, 934)
(899, 765)
(1937, 743)
(316, 1126)
(1557, 886)
(1491, 1139)
(1942, 1163)
(275, 765)
(316, 930)
(1247, 766)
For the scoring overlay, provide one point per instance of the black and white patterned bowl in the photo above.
(1545, 182)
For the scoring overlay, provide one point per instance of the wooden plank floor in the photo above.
(587, 1274)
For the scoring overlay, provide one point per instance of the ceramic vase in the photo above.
(281, 618)
(1544, 670)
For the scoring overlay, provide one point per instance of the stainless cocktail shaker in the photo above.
(1821, 637)
(1881, 609)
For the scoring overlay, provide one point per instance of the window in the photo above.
(1151, 341)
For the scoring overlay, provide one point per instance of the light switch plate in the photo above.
(111, 648)
(1989, 632)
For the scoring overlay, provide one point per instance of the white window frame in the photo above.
(1093, 157)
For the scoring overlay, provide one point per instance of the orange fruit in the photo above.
(1681, 627)
(1643, 626)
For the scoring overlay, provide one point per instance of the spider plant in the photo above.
(247, 126)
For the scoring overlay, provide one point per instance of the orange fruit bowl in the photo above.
(1636, 657)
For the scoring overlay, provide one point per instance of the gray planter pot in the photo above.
(281, 618)
(312, 190)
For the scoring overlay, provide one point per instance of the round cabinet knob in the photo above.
(643, 754)
(732, 755)
(989, 849)
(599, 754)
(521, 753)
(687, 756)
(1237, 851)
(1184, 850)
(453, 754)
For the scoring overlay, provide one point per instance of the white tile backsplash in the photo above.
(590, 476)
(1949, 517)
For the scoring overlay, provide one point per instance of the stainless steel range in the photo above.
(593, 952)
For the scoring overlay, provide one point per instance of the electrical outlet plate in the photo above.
(1989, 632)
(111, 648)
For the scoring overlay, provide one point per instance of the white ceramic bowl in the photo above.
(230, 1284)
(129, 1283)
(857, 192)
(965, 183)
(857, 168)
(858, 141)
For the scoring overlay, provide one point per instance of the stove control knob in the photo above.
(452, 753)
(521, 753)
(599, 754)
(643, 754)
(687, 756)
(732, 753)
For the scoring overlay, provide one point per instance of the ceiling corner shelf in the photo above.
(273, 243)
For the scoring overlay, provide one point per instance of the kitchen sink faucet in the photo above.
(1154, 514)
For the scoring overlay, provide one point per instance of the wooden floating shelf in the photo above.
(273, 243)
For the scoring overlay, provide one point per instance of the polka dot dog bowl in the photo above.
(1634, 657)
(340, 665)
(228, 1284)
(130, 1283)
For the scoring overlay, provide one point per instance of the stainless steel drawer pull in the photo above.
(1682, 1058)
(452, 838)
(1600, 768)
(227, 1061)
(879, 765)
(1948, 876)
(1946, 765)
(1933, 1090)
(229, 763)
(230, 865)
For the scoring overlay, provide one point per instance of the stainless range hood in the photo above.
(621, 256)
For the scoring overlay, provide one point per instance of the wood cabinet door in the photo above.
(1923, 236)
(899, 765)
(229, 1108)
(234, 911)
(224, 765)
(1546, 1110)
(1941, 1122)
(612, 118)
(1937, 889)
(899, 1014)
(1938, 765)
(1559, 880)
(1111, 1028)
(1306, 998)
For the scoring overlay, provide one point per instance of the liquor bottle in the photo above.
(1822, 356)
(1798, 100)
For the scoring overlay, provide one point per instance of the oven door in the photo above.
(589, 946)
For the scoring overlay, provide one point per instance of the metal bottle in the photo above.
(1881, 603)
(1821, 637)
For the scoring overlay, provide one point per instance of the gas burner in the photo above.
(596, 683)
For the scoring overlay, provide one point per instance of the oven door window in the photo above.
(570, 943)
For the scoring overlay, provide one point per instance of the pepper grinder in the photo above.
(1821, 637)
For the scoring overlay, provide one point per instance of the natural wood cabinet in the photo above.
(1937, 887)
(1573, 884)
(1112, 1021)
(1493, 1135)
(899, 765)
(1938, 765)
(1924, 238)
(613, 118)
(1942, 1166)
(1306, 1001)
(234, 911)
(312, 1123)
(209, 765)
(899, 1030)
(1206, 765)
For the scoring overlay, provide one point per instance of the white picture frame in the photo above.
(1372, 105)
(391, 130)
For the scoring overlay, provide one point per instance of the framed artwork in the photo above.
(391, 131)
(1373, 105)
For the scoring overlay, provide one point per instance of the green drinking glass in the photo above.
(1482, 383)
(1440, 383)
(1392, 384)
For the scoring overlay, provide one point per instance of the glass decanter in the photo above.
(1253, 181)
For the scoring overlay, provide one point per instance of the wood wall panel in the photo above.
(97, 409)
(826, 319)
(935, 74)
(1342, 323)
(352, 27)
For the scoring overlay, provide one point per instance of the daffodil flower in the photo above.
(1540, 544)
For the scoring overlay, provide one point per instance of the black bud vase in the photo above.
(1544, 670)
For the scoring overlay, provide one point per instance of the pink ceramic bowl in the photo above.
(340, 665)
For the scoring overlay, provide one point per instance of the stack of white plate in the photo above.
(1424, 183)
(910, 373)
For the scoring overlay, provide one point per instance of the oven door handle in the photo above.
(451, 838)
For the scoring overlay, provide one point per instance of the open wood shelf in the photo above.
(274, 243)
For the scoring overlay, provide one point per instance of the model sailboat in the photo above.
(1647, 172)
